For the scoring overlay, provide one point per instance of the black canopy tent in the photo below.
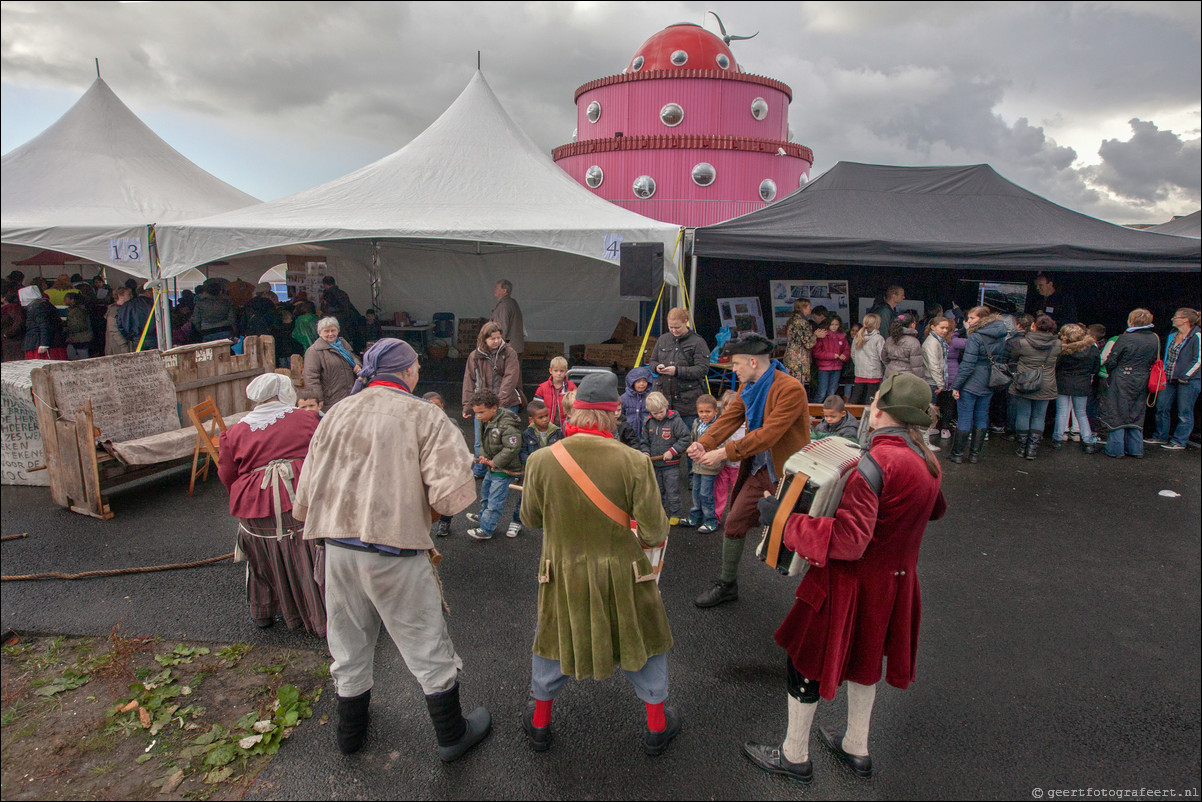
(926, 228)
(1188, 226)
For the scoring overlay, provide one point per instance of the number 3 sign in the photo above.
(125, 250)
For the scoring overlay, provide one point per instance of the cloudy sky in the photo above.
(1095, 105)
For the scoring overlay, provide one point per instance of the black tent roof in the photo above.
(1188, 226)
(874, 215)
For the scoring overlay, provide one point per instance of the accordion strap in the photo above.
(577, 475)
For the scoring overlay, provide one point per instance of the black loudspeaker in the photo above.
(642, 270)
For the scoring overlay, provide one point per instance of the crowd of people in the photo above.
(340, 489)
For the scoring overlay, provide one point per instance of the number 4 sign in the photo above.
(613, 247)
(126, 249)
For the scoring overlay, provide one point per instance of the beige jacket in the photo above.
(378, 463)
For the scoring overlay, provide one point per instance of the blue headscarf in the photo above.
(385, 361)
(755, 395)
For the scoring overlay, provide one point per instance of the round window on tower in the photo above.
(767, 189)
(723, 61)
(593, 112)
(637, 64)
(759, 108)
(594, 176)
(671, 115)
(644, 187)
(704, 174)
(679, 58)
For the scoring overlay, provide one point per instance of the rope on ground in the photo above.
(118, 571)
(7, 538)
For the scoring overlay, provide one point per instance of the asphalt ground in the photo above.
(1059, 647)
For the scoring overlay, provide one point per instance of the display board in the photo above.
(742, 315)
(305, 273)
(831, 294)
(132, 394)
(20, 438)
(1007, 298)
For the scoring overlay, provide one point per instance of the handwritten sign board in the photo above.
(20, 439)
(132, 394)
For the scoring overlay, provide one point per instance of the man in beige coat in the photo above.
(508, 315)
(381, 466)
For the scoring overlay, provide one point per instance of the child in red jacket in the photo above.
(554, 389)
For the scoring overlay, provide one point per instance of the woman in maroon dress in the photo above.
(859, 605)
(261, 458)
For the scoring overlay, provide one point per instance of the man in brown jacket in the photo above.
(775, 408)
(508, 315)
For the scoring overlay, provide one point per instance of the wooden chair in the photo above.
(204, 413)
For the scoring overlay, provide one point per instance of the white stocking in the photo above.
(796, 748)
(859, 715)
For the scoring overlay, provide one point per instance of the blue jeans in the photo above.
(1131, 440)
(972, 411)
(1030, 415)
(828, 384)
(668, 477)
(1184, 395)
(493, 493)
(650, 682)
(1076, 404)
(703, 500)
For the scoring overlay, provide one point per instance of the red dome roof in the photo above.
(702, 51)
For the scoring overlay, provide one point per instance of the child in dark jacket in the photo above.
(634, 400)
(665, 438)
(539, 434)
(703, 515)
(500, 447)
(836, 420)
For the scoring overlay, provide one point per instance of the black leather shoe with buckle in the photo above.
(539, 737)
(859, 765)
(773, 761)
(656, 742)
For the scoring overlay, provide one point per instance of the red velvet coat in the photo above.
(860, 603)
(243, 450)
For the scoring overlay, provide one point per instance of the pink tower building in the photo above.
(683, 135)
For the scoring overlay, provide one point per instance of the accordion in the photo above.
(813, 483)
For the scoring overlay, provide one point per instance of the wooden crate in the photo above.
(603, 354)
(626, 332)
(542, 350)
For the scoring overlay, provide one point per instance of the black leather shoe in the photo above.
(539, 737)
(720, 593)
(859, 766)
(656, 742)
(772, 760)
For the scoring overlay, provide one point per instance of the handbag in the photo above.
(654, 555)
(1157, 378)
(999, 373)
(1029, 380)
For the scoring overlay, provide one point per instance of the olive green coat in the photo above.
(599, 607)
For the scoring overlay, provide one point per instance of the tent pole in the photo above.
(162, 310)
(375, 275)
(693, 290)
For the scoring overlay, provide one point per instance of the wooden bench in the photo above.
(111, 420)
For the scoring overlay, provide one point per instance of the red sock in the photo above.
(655, 717)
(542, 713)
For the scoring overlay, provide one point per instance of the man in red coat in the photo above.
(859, 604)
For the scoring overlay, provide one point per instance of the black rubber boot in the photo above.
(976, 441)
(456, 734)
(1020, 443)
(1033, 441)
(353, 719)
(959, 443)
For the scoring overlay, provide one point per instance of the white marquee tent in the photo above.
(469, 201)
(92, 183)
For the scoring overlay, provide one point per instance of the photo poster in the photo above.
(742, 315)
(831, 294)
(305, 273)
(919, 308)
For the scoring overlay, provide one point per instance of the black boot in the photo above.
(959, 443)
(976, 442)
(455, 733)
(721, 592)
(1091, 448)
(1033, 441)
(1020, 442)
(352, 722)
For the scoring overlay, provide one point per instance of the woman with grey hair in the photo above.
(330, 364)
(261, 458)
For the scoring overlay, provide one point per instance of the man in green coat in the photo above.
(599, 607)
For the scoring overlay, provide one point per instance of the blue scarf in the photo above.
(342, 352)
(755, 396)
